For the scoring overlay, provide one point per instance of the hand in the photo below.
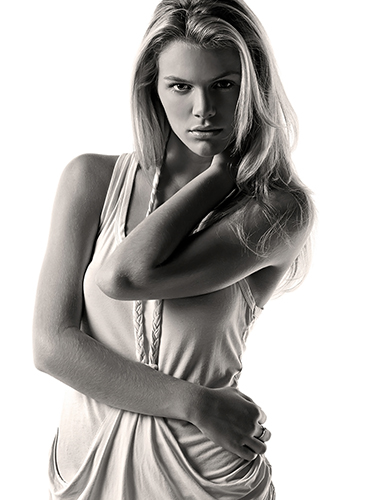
(233, 421)
(228, 160)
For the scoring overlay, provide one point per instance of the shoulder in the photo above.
(83, 186)
(278, 225)
(87, 177)
(90, 171)
(290, 210)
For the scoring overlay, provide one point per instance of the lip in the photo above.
(205, 132)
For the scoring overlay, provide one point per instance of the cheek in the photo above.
(167, 104)
(175, 111)
(229, 106)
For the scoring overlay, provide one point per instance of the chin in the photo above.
(206, 149)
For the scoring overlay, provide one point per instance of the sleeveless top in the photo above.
(127, 456)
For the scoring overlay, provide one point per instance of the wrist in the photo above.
(195, 401)
(224, 169)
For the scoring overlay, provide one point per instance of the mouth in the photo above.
(205, 132)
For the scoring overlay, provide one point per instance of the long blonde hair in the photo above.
(265, 128)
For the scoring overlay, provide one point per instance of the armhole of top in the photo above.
(114, 187)
(249, 298)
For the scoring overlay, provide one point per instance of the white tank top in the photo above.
(126, 456)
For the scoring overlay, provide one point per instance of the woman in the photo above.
(146, 318)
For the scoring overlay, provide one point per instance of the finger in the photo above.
(246, 397)
(262, 417)
(246, 453)
(262, 434)
(257, 446)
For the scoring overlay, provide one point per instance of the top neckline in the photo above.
(127, 192)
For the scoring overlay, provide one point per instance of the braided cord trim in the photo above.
(138, 310)
(138, 324)
(155, 334)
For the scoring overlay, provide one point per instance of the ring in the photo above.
(262, 434)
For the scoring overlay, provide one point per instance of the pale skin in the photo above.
(195, 178)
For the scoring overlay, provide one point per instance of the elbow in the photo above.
(120, 286)
(40, 364)
(109, 282)
(41, 359)
(43, 352)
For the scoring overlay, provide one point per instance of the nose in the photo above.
(203, 105)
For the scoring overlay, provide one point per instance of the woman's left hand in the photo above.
(231, 420)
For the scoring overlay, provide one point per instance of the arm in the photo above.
(60, 347)
(62, 350)
(161, 259)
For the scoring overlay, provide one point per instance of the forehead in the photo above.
(192, 62)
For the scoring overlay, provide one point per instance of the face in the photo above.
(198, 89)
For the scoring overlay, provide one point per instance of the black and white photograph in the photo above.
(188, 280)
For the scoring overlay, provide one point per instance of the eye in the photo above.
(180, 87)
(224, 84)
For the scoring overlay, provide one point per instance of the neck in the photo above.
(181, 165)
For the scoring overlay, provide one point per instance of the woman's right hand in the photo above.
(233, 421)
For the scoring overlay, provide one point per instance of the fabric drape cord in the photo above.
(138, 308)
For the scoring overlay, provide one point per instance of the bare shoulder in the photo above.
(81, 193)
(89, 173)
(290, 211)
(276, 231)
(278, 226)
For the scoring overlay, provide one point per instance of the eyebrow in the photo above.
(222, 75)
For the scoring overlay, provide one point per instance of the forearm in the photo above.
(223, 415)
(155, 240)
(89, 367)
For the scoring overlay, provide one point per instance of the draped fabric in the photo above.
(102, 453)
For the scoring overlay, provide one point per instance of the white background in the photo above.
(66, 68)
